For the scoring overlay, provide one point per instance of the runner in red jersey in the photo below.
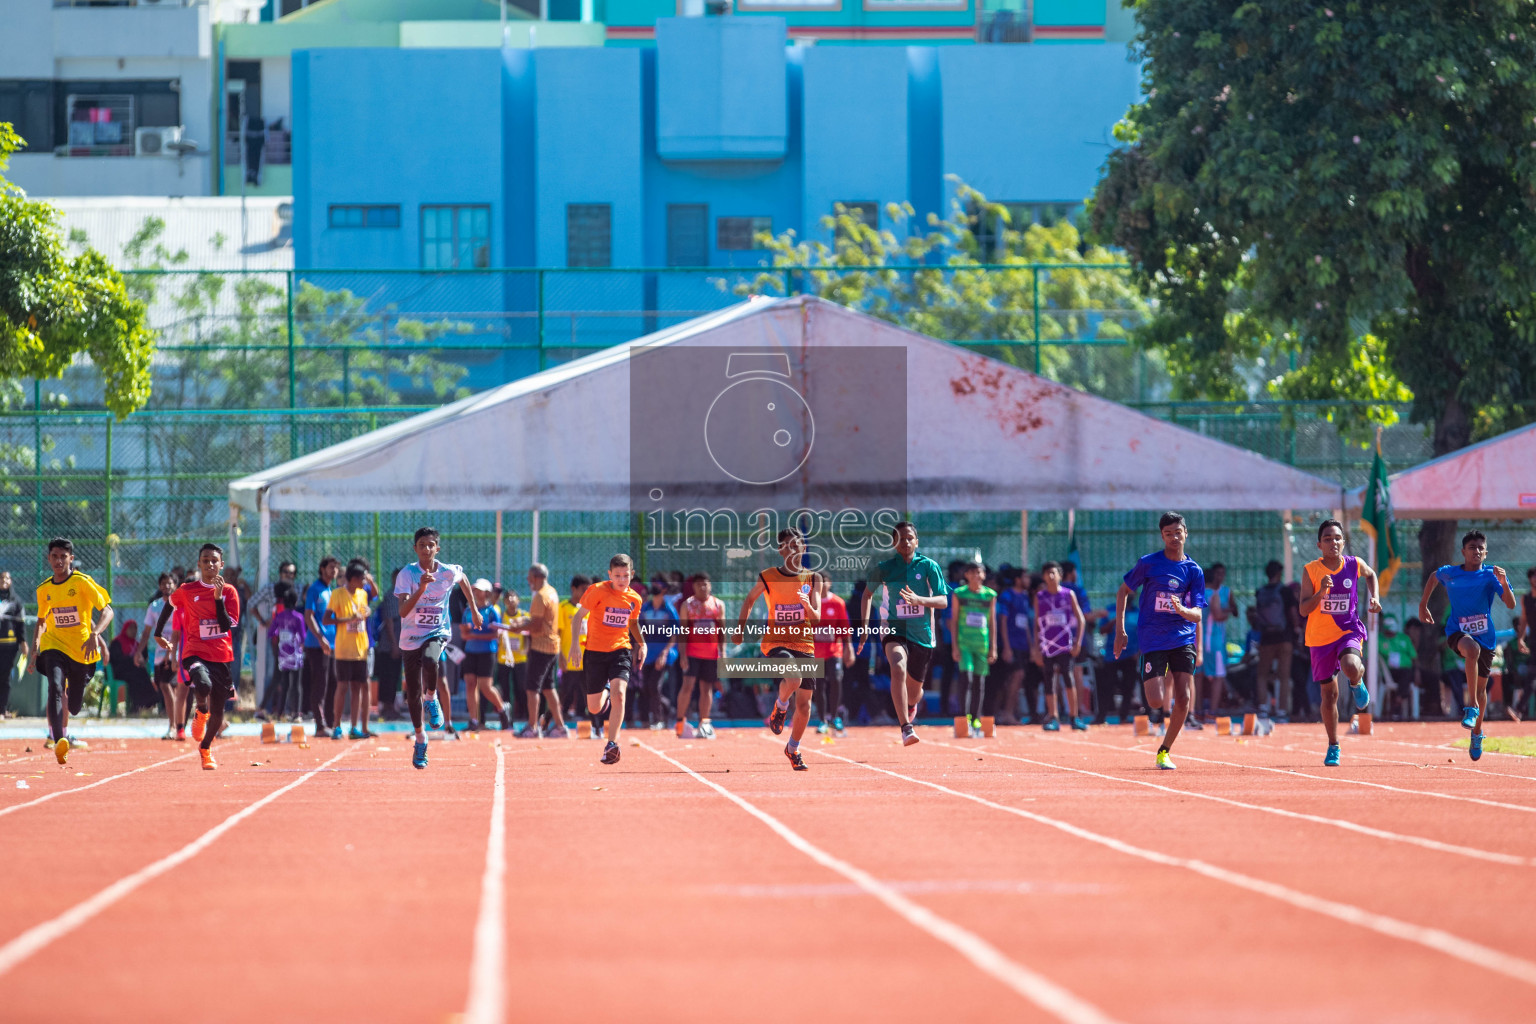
(206, 648)
(700, 621)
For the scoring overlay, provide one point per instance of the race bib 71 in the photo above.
(209, 629)
(615, 618)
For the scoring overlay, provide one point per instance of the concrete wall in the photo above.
(855, 129)
(26, 44)
(43, 175)
(160, 31)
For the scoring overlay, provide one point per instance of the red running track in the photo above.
(1051, 877)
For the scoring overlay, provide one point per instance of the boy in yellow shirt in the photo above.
(348, 612)
(69, 639)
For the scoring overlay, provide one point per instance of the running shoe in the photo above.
(1362, 696)
(1164, 761)
(181, 734)
(528, 732)
(823, 727)
(837, 725)
(419, 754)
(1081, 725)
(336, 733)
(209, 764)
(434, 709)
(1469, 718)
(506, 719)
(61, 750)
(48, 742)
(611, 753)
(1475, 748)
(356, 734)
(199, 725)
(908, 735)
(706, 731)
(556, 732)
(795, 760)
(1332, 760)
(1052, 724)
(1193, 722)
(776, 719)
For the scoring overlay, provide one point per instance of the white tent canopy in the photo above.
(988, 437)
(1494, 479)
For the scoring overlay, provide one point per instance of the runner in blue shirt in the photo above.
(1014, 612)
(1471, 588)
(1168, 624)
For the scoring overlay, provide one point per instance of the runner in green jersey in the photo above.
(915, 587)
(975, 641)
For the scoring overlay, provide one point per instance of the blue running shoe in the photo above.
(1476, 747)
(1469, 718)
(336, 733)
(419, 755)
(1052, 724)
(1362, 696)
(1332, 760)
(434, 709)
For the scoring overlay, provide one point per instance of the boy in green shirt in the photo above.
(974, 642)
(915, 587)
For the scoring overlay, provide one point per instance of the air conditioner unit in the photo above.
(156, 141)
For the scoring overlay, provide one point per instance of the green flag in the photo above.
(1376, 520)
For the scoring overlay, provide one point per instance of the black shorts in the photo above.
(478, 663)
(1061, 663)
(1156, 664)
(1484, 655)
(602, 667)
(165, 671)
(785, 652)
(213, 674)
(705, 670)
(919, 658)
(72, 675)
(351, 671)
(540, 672)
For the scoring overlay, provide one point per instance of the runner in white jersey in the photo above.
(425, 627)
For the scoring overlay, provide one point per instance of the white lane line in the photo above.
(1034, 987)
(487, 981)
(1341, 779)
(1448, 746)
(81, 789)
(40, 935)
(1348, 826)
(1431, 938)
(1426, 764)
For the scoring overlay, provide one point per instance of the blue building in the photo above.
(672, 155)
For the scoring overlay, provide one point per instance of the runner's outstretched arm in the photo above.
(1425, 615)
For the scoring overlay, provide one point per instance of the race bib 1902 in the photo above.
(615, 618)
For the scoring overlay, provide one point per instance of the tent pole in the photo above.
(498, 543)
(1024, 540)
(263, 564)
(1288, 555)
(535, 554)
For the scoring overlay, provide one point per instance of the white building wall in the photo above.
(26, 38)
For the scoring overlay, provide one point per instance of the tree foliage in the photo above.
(55, 307)
(1353, 185)
(971, 277)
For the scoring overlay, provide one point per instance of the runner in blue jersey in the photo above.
(1168, 624)
(1471, 588)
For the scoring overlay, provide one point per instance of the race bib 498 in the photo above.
(1472, 625)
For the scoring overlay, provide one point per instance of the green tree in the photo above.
(1349, 185)
(54, 307)
(971, 277)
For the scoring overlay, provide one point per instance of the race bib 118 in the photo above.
(905, 610)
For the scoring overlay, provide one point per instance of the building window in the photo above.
(28, 108)
(687, 235)
(738, 234)
(375, 215)
(589, 235)
(866, 211)
(455, 237)
(989, 230)
(99, 118)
